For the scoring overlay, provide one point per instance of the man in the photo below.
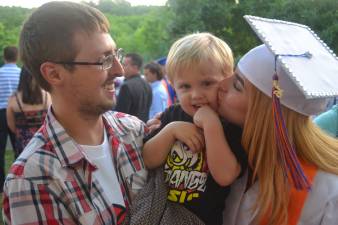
(135, 94)
(84, 165)
(9, 80)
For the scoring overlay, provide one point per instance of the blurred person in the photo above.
(26, 110)
(9, 80)
(84, 165)
(169, 88)
(135, 95)
(328, 121)
(153, 75)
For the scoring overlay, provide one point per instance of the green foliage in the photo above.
(150, 30)
(11, 19)
(144, 34)
(224, 18)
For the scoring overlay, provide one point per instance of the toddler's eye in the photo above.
(184, 86)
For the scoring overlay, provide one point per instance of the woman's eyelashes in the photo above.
(238, 83)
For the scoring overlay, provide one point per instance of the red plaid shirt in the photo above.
(51, 182)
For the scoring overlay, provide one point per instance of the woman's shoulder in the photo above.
(322, 202)
(324, 188)
(326, 181)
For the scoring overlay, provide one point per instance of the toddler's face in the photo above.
(198, 86)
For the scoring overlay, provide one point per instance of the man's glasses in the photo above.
(106, 63)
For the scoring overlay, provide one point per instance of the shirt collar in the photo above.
(67, 150)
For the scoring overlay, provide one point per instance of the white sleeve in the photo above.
(331, 213)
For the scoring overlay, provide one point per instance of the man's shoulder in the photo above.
(122, 121)
(34, 162)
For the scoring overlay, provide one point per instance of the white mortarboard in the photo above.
(294, 60)
(306, 82)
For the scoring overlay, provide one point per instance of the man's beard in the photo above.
(97, 109)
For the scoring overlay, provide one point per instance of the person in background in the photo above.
(135, 95)
(9, 80)
(275, 90)
(328, 121)
(153, 75)
(169, 88)
(26, 110)
(84, 165)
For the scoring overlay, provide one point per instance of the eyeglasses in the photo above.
(106, 63)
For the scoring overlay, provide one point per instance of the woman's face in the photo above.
(233, 99)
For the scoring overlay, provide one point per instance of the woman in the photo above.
(26, 110)
(272, 193)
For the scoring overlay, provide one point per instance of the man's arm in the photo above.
(28, 203)
(222, 163)
(156, 149)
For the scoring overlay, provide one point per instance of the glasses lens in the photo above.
(108, 62)
(120, 54)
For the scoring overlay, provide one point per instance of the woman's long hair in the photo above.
(29, 88)
(312, 145)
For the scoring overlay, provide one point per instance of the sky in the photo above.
(37, 3)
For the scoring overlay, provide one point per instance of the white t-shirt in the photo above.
(101, 157)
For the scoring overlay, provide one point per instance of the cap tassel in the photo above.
(290, 163)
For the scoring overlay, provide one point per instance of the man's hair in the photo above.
(155, 68)
(10, 53)
(136, 59)
(191, 50)
(48, 34)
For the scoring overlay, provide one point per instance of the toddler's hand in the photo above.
(204, 115)
(189, 134)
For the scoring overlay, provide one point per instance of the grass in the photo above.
(9, 158)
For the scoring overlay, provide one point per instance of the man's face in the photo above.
(90, 88)
(129, 68)
(150, 77)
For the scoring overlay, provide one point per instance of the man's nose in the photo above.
(117, 69)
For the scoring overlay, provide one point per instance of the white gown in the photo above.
(320, 208)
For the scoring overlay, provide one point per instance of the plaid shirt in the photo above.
(51, 182)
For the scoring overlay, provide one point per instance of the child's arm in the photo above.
(156, 149)
(222, 163)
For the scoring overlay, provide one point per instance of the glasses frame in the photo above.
(106, 64)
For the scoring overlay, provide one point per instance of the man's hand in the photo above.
(155, 122)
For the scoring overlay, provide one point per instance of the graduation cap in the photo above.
(296, 69)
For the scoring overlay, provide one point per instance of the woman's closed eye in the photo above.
(238, 83)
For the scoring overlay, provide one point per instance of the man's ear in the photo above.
(51, 72)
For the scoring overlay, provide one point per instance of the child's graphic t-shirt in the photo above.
(187, 174)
